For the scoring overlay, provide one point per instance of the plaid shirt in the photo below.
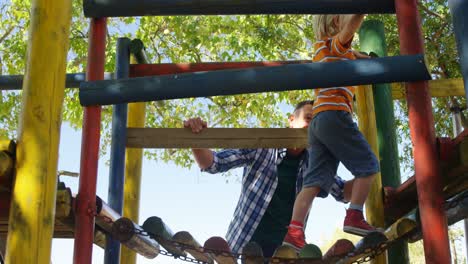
(259, 183)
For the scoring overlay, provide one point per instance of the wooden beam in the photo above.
(438, 88)
(125, 8)
(400, 228)
(216, 138)
(32, 209)
(124, 230)
(401, 200)
(368, 127)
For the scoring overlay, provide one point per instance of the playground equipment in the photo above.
(30, 228)
(255, 80)
(125, 8)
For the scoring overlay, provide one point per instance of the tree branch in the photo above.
(430, 12)
(7, 33)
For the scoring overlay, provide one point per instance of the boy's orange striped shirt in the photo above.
(335, 98)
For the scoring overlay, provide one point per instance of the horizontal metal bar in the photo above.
(73, 80)
(255, 80)
(144, 70)
(439, 88)
(127, 8)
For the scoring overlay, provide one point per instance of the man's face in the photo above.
(302, 118)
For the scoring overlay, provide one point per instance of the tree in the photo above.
(215, 38)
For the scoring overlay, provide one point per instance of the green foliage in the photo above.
(213, 38)
(457, 243)
(441, 53)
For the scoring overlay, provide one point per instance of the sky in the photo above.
(186, 199)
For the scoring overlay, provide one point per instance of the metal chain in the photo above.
(183, 258)
(369, 253)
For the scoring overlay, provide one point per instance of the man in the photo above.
(270, 182)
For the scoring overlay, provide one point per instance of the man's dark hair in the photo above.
(300, 105)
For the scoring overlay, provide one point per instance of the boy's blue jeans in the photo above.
(335, 138)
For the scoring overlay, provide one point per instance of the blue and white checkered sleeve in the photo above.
(229, 159)
(337, 189)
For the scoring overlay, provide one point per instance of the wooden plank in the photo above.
(159, 231)
(438, 88)
(124, 231)
(401, 200)
(196, 251)
(400, 228)
(365, 247)
(217, 138)
(219, 244)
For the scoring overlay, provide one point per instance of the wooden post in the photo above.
(372, 39)
(422, 130)
(367, 125)
(31, 221)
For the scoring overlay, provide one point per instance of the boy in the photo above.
(333, 136)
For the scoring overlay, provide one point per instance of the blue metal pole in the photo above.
(72, 80)
(122, 8)
(117, 161)
(255, 80)
(459, 10)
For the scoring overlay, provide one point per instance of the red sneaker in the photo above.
(355, 223)
(295, 238)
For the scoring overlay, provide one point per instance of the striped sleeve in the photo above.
(339, 49)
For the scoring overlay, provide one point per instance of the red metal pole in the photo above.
(143, 70)
(426, 163)
(86, 198)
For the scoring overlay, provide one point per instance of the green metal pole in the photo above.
(372, 39)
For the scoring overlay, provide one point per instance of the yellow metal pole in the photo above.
(133, 165)
(31, 221)
(367, 125)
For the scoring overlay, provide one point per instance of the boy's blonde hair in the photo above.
(324, 26)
